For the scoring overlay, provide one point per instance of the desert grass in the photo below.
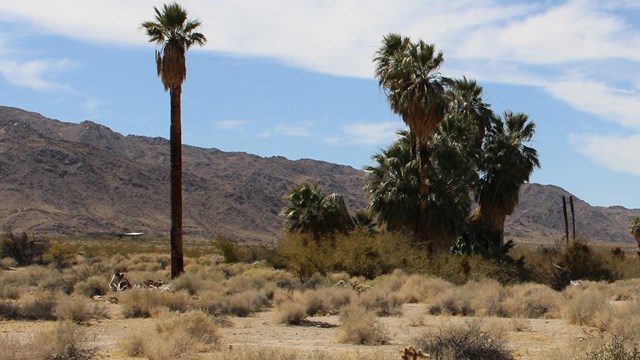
(583, 307)
(95, 285)
(251, 353)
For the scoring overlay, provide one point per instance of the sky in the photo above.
(294, 78)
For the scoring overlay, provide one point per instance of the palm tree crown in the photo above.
(174, 34)
(506, 164)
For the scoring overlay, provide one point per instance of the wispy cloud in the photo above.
(231, 124)
(366, 134)
(614, 152)
(302, 129)
(33, 73)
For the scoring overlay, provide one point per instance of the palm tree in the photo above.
(408, 73)
(464, 97)
(506, 164)
(309, 211)
(392, 186)
(174, 34)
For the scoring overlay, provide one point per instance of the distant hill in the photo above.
(67, 179)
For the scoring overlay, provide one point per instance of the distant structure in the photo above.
(131, 234)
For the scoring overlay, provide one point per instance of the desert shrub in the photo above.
(615, 349)
(60, 256)
(290, 313)
(174, 336)
(381, 302)
(24, 249)
(360, 326)
(78, 309)
(451, 303)
(465, 342)
(37, 306)
(623, 321)
(64, 341)
(7, 262)
(244, 303)
(142, 302)
(9, 309)
(326, 300)
(531, 301)
(190, 282)
(578, 261)
(484, 297)
(92, 286)
(362, 255)
(357, 254)
(231, 252)
(420, 288)
(583, 307)
(449, 268)
(316, 280)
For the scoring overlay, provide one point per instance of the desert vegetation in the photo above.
(233, 309)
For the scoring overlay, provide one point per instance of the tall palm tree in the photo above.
(174, 34)
(506, 164)
(408, 73)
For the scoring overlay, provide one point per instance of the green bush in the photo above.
(23, 249)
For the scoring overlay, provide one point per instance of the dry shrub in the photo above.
(361, 326)
(420, 288)
(290, 313)
(142, 302)
(174, 336)
(78, 309)
(583, 308)
(466, 341)
(9, 309)
(250, 353)
(244, 303)
(325, 301)
(451, 303)
(92, 286)
(381, 302)
(531, 301)
(37, 306)
(8, 262)
(624, 321)
(484, 297)
(65, 341)
(190, 282)
(615, 349)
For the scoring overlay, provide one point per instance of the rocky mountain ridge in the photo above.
(66, 179)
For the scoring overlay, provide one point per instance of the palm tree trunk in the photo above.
(177, 260)
(423, 231)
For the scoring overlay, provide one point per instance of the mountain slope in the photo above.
(66, 178)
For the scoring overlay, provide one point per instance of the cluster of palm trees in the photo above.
(455, 151)
(456, 148)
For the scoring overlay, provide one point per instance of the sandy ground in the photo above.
(261, 331)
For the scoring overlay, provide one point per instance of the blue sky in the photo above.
(294, 78)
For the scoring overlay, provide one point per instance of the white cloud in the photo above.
(33, 74)
(301, 129)
(231, 124)
(617, 105)
(381, 133)
(614, 152)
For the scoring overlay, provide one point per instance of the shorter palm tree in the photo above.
(309, 211)
(505, 165)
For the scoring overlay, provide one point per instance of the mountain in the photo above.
(59, 178)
